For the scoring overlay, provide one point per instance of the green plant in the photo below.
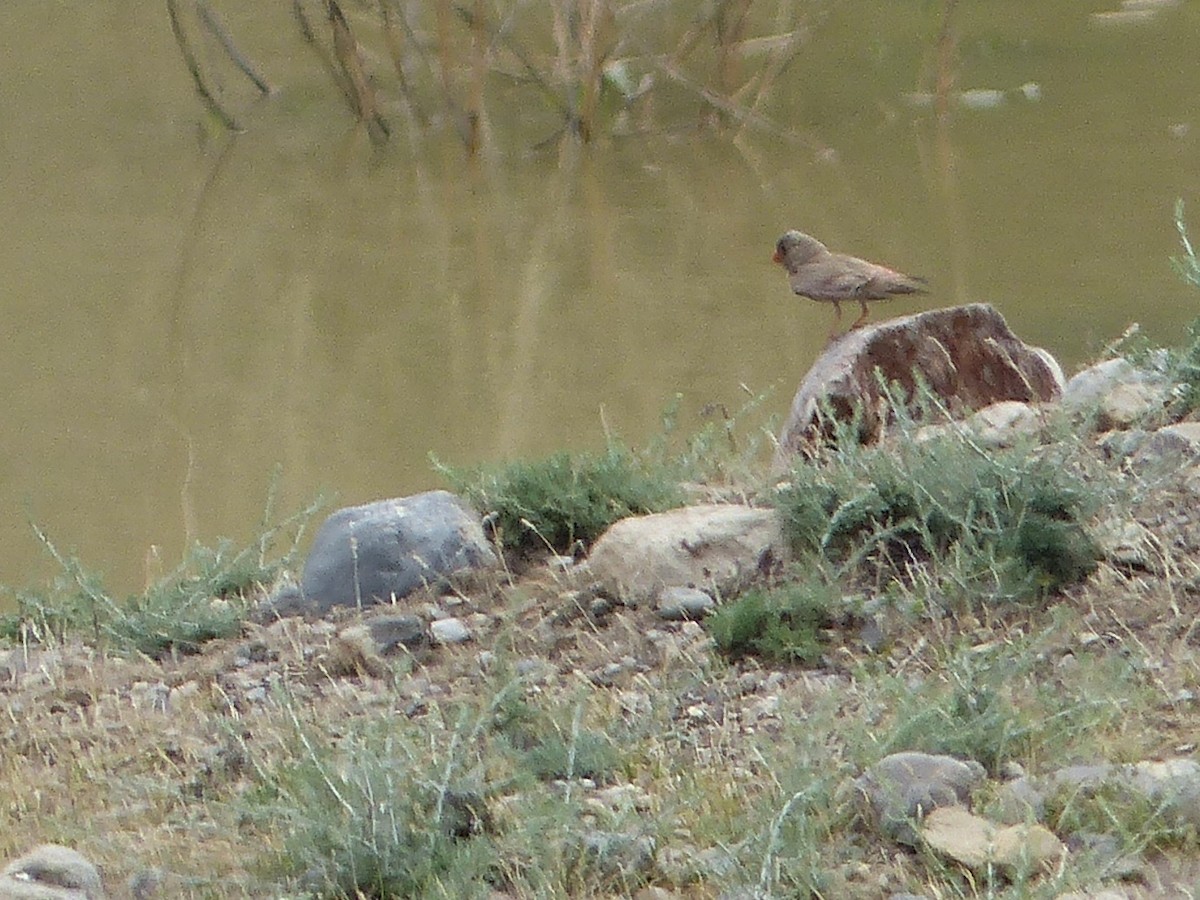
(366, 819)
(1180, 364)
(1008, 522)
(782, 625)
(1112, 806)
(483, 793)
(204, 598)
(1187, 265)
(726, 449)
(564, 498)
(971, 717)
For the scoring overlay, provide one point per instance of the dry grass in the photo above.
(277, 763)
(733, 770)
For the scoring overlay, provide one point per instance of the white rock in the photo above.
(450, 631)
(711, 547)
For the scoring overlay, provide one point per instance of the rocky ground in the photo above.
(1075, 774)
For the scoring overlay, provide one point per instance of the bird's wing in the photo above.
(830, 280)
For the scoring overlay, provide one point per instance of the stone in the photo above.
(1120, 393)
(621, 858)
(392, 634)
(51, 872)
(1125, 542)
(954, 832)
(1170, 448)
(1173, 785)
(995, 426)
(1000, 424)
(1127, 404)
(967, 355)
(715, 548)
(1089, 386)
(362, 649)
(903, 787)
(1026, 846)
(1018, 801)
(976, 842)
(383, 551)
(678, 603)
(450, 631)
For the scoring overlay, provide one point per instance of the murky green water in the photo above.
(183, 314)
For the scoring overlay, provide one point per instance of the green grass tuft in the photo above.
(565, 498)
(782, 625)
(207, 597)
(999, 523)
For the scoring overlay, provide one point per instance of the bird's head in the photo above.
(796, 248)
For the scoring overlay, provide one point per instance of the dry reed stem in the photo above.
(479, 60)
(217, 28)
(350, 58)
(947, 59)
(309, 35)
(394, 37)
(206, 95)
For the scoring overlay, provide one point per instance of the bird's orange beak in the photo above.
(777, 257)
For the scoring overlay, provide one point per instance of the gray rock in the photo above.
(995, 426)
(621, 859)
(383, 551)
(1169, 448)
(1120, 445)
(1089, 386)
(1000, 424)
(391, 634)
(1128, 404)
(1120, 393)
(51, 872)
(710, 547)
(1018, 801)
(362, 649)
(678, 603)
(450, 631)
(902, 788)
(1173, 785)
(1125, 542)
(967, 355)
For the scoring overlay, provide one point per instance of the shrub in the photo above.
(565, 498)
(1007, 520)
(780, 625)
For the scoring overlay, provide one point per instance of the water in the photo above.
(186, 314)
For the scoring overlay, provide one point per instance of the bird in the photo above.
(816, 273)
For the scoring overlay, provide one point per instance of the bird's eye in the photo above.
(781, 247)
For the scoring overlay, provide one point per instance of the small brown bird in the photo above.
(816, 273)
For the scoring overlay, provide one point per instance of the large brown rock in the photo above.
(967, 355)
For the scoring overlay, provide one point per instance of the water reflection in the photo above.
(187, 315)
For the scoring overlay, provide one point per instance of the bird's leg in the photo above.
(837, 318)
(861, 319)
